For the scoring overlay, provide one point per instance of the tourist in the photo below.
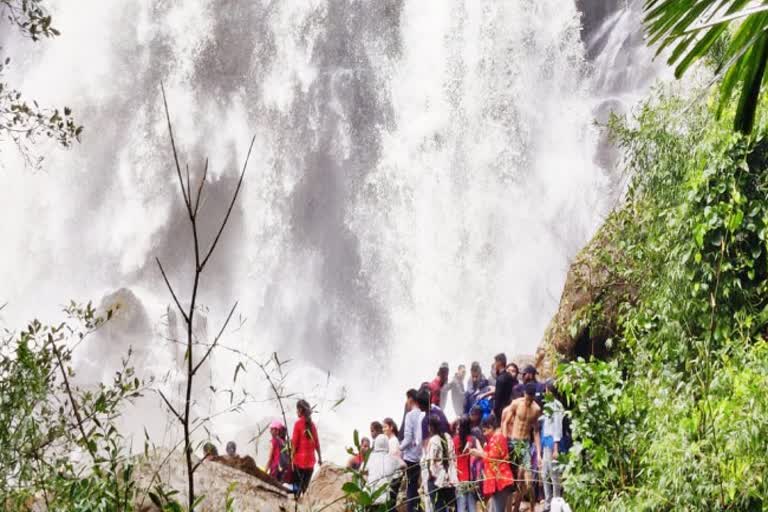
(429, 411)
(376, 430)
(529, 376)
(231, 450)
(466, 492)
(478, 387)
(390, 431)
(410, 397)
(441, 467)
(436, 386)
(519, 420)
(455, 390)
(411, 450)
(210, 452)
(514, 371)
(476, 378)
(277, 461)
(381, 468)
(357, 461)
(475, 421)
(498, 481)
(502, 395)
(551, 433)
(305, 443)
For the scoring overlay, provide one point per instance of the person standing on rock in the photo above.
(502, 395)
(529, 375)
(454, 390)
(436, 386)
(440, 459)
(430, 410)
(390, 431)
(278, 460)
(382, 468)
(478, 386)
(498, 481)
(514, 371)
(305, 442)
(377, 429)
(551, 435)
(463, 442)
(519, 420)
(411, 450)
(410, 397)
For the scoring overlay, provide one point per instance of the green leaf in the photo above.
(350, 488)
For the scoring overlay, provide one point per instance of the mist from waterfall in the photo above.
(424, 172)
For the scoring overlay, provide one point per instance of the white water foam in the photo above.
(424, 172)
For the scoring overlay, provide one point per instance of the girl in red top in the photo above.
(498, 482)
(305, 443)
(463, 442)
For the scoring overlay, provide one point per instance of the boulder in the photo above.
(587, 317)
(325, 489)
(213, 479)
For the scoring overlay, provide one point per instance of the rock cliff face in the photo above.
(213, 479)
(587, 317)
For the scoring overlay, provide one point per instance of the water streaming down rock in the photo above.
(423, 173)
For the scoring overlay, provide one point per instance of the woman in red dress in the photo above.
(305, 443)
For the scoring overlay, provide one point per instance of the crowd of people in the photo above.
(502, 448)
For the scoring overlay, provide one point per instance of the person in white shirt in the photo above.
(441, 468)
(551, 433)
(390, 431)
(411, 450)
(381, 469)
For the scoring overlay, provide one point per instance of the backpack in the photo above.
(485, 406)
(284, 462)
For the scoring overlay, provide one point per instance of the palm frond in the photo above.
(689, 28)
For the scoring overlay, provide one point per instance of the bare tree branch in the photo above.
(170, 289)
(231, 205)
(200, 187)
(189, 316)
(215, 340)
(172, 408)
(173, 147)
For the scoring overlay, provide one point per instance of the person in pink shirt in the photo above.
(276, 465)
(436, 386)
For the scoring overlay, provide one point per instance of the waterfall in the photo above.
(424, 172)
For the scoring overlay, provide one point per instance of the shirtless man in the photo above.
(518, 420)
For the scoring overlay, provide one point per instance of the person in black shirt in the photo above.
(502, 396)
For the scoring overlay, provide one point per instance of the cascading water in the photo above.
(424, 172)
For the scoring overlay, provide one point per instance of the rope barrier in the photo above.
(400, 474)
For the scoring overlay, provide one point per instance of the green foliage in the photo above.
(23, 121)
(30, 17)
(678, 419)
(693, 29)
(58, 442)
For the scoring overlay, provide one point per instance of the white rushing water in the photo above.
(423, 173)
